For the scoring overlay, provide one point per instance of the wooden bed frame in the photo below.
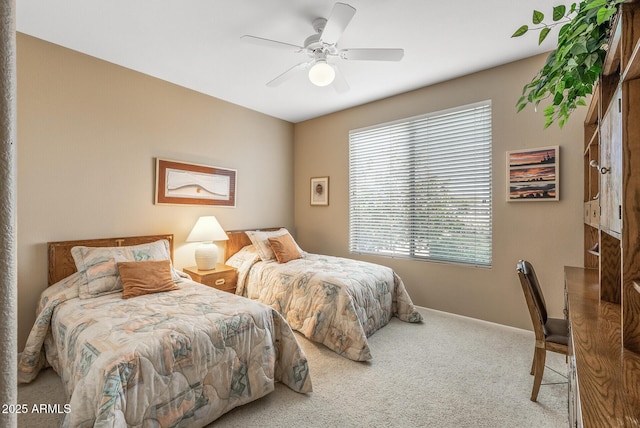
(61, 263)
(239, 239)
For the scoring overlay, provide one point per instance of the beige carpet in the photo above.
(449, 371)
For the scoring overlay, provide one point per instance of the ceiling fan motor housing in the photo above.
(314, 46)
(319, 24)
(313, 42)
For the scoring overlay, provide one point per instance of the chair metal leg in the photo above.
(540, 356)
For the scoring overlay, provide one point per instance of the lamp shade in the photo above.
(206, 230)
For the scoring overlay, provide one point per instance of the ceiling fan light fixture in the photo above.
(321, 73)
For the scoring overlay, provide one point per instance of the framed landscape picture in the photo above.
(533, 174)
(193, 184)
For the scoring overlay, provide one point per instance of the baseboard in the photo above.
(451, 314)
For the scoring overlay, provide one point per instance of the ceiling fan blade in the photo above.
(286, 75)
(260, 41)
(339, 82)
(372, 54)
(336, 24)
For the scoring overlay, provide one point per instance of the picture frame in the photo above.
(185, 183)
(533, 174)
(319, 191)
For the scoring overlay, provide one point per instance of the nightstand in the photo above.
(223, 277)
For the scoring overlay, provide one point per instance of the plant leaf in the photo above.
(590, 60)
(543, 34)
(593, 4)
(559, 12)
(548, 119)
(538, 17)
(604, 14)
(557, 98)
(579, 48)
(564, 29)
(520, 31)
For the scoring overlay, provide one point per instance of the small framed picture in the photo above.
(319, 190)
(533, 174)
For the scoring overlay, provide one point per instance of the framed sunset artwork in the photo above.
(533, 174)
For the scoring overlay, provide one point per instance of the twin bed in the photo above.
(335, 301)
(136, 342)
(177, 358)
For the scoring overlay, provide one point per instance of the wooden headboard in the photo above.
(239, 239)
(61, 263)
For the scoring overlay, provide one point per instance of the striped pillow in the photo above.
(98, 265)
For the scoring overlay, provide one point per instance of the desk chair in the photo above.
(552, 334)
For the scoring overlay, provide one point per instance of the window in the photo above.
(421, 187)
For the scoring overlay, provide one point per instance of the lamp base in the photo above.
(206, 256)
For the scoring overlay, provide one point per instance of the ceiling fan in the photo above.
(322, 50)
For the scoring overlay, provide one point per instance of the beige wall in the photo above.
(88, 133)
(549, 234)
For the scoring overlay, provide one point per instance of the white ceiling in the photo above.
(196, 44)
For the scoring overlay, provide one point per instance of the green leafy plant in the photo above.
(572, 69)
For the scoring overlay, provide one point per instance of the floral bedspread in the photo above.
(183, 357)
(335, 301)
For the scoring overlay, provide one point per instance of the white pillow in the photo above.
(260, 240)
(241, 257)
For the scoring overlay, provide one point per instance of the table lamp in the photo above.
(207, 230)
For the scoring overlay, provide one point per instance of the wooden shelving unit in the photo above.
(591, 184)
(604, 298)
(602, 391)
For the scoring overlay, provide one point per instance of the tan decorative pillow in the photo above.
(146, 277)
(284, 248)
(260, 239)
(98, 264)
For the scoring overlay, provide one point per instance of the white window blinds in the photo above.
(421, 187)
